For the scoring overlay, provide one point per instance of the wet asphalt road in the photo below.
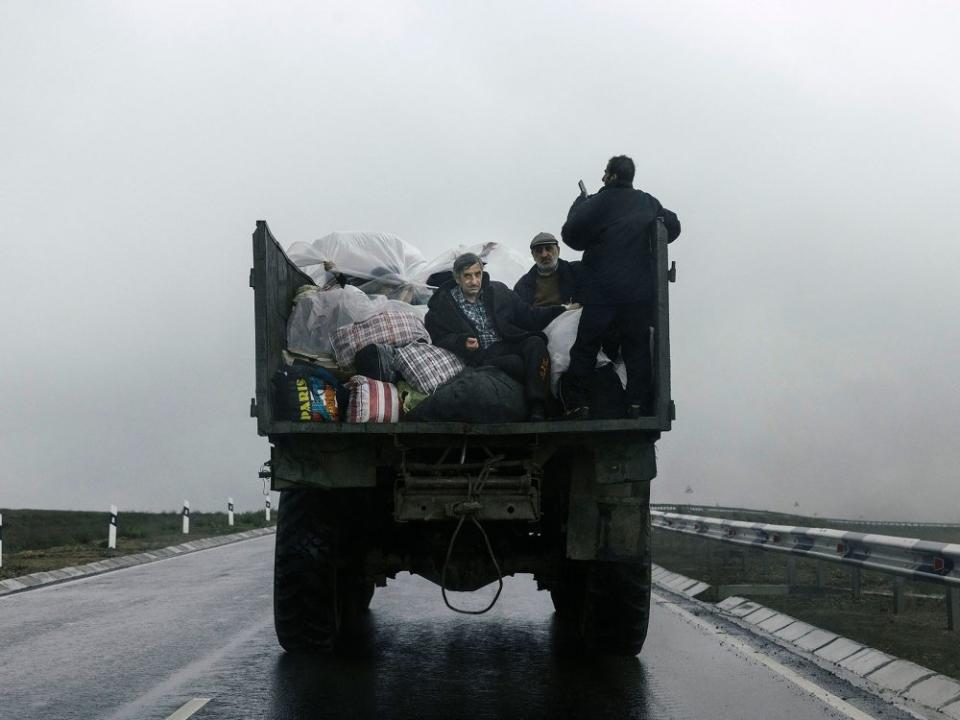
(142, 642)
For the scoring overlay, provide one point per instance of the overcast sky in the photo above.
(810, 149)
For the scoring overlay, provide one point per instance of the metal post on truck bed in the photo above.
(666, 274)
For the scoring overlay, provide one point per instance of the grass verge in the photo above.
(37, 540)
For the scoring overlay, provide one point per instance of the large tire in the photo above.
(567, 594)
(608, 602)
(616, 607)
(306, 607)
(357, 592)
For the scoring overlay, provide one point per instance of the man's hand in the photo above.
(572, 306)
(473, 344)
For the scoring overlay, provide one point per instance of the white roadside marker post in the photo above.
(266, 512)
(1, 539)
(186, 517)
(230, 512)
(112, 532)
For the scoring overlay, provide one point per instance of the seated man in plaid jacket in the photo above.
(484, 322)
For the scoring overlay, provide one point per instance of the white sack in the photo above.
(561, 334)
(383, 263)
(501, 262)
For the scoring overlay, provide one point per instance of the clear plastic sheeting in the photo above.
(311, 321)
(378, 263)
(354, 305)
(385, 274)
(501, 262)
(318, 314)
(561, 334)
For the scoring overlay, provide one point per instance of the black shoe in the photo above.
(578, 413)
(537, 412)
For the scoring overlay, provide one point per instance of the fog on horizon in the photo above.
(809, 149)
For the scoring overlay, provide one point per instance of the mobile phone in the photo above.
(583, 188)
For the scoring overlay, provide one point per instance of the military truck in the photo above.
(460, 504)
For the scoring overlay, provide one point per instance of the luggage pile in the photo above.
(358, 350)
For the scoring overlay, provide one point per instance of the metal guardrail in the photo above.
(698, 509)
(919, 560)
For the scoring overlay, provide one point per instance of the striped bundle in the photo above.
(372, 401)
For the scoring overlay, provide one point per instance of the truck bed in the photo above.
(275, 279)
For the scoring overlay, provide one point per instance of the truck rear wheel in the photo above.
(567, 595)
(606, 603)
(306, 607)
(615, 607)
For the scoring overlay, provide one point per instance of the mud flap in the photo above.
(298, 464)
(608, 528)
(618, 462)
(609, 515)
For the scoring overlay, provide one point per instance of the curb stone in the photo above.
(878, 671)
(776, 622)
(937, 691)
(52, 577)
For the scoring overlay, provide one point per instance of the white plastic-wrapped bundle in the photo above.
(501, 262)
(354, 305)
(561, 334)
(311, 321)
(378, 263)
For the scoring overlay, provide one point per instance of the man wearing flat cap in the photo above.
(551, 281)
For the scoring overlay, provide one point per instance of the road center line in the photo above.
(744, 649)
(189, 708)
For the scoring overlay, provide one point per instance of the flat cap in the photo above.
(543, 238)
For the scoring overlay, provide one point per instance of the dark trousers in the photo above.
(632, 322)
(526, 361)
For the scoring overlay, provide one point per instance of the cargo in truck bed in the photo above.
(277, 282)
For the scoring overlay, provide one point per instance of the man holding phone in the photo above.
(618, 283)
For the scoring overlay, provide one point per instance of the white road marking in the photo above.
(744, 649)
(189, 709)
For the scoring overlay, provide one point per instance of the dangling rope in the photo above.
(469, 509)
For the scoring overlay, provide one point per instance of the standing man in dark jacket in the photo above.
(613, 228)
(551, 281)
(485, 323)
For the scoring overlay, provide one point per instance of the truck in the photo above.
(460, 504)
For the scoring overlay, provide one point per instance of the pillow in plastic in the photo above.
(372, 401)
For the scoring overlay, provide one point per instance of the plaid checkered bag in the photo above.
(426, 367)
(386, 328)
(372, 401)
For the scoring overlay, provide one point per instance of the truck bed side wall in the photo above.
(275, 281)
